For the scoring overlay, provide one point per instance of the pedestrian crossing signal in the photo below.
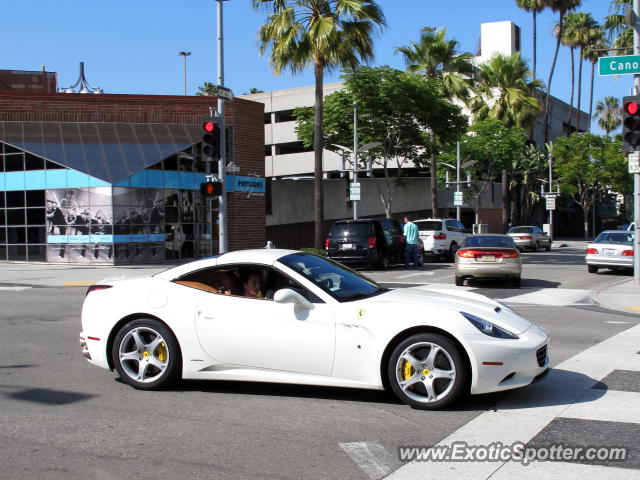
(211, 189)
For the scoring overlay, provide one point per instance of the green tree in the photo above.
(505, 92)
(395, 109)
(592, 52)
(587, 164)
(322, 34)
(586, 30)
(535, 7)
(619, 32)
(562, 7)
(439, 58)
(609, 114)
(207, 89)
(253, 90)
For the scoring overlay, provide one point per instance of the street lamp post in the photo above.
(636, 176)
(222, 215)
(355, 155)
(184, 56)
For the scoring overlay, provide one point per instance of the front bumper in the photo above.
(524, 243)
(521, 361)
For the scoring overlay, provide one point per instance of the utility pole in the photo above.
(457, 197)
(458, 178)
(550, 189)
(184, 55)
(355, 156)
(636, 176)
(222, 215)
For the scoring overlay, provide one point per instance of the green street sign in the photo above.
(622, 65)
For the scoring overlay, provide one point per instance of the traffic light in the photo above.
(211, 189)
(211, 138)
(631, 123)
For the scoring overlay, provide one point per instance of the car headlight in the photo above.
(488, 328)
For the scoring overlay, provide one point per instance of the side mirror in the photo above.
(287, 295)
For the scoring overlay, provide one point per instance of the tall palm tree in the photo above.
(323, 34)
(619, 32)
(609, 114)
(506, 92)
(592, 52)
(535, 7)
(562, 7)
(586, 28)
(569, 39)
(437, 57)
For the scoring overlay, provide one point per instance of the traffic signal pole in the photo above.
(222, 174)
(636, 176)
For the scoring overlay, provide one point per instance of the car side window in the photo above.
(451, 225)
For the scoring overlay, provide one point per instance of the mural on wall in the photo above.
(79, 225)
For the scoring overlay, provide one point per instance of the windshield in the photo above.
(490, 241)
(520, 230)
(615, 237)
(429, 225)
(340, 282)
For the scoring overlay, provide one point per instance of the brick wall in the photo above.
(246, 213)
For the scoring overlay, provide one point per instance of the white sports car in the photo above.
(292, 317)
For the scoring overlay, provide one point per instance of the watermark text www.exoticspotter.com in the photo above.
(515, 452)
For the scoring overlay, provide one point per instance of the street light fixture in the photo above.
(184, 55)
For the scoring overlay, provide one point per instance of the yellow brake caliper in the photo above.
(161, 352)
(407, 371)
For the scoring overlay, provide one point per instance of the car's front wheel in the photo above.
(592, 269)
(146, 354)
(427, 371)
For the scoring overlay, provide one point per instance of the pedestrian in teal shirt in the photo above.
(411, 251)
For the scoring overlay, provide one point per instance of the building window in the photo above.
(285, 116)
(267, 118)
(292, 147)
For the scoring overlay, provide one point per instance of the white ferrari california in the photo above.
(286, 316)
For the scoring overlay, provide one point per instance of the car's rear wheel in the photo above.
(548, 247)
(516, 281)
(592, 269)
(146, 354)
(459, 281)
(427, 371)
(536, 247)
(452, 251)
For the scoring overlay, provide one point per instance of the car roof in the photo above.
(432, 219)
(258, 256)
(489, 235)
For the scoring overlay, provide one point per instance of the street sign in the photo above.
(458, 199)
(224, 93)
(551, 203)
(621, 65)
(550, 194)
(634, 162)
(354, 191)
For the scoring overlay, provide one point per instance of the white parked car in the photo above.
(317, 323)
(610, 249)
(441, 237)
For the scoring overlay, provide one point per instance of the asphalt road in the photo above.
(63, 418)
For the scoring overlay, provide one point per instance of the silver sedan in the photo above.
(488, 256)
(610, 249)
(530, 237)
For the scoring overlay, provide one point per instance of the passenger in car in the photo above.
(251, 284)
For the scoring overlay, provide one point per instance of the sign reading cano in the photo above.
(621, 65)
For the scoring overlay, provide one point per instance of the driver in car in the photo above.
(252, 285)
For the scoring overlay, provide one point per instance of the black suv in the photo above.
(373, 242)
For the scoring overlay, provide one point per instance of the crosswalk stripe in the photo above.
(15, 289)
(562, 471)
(606, 405)
(557, 297)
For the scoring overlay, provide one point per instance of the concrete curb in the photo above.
(598, 296)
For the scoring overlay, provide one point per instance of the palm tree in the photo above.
(323, 34)
(562, 7)
(504, 91)
(620, 33)
(569, 39)
(609, 114)
(438, 58)
(592, 51)
(535, 7)
(207, 89)
(586, 29)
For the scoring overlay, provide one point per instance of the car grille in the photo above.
(541, 355)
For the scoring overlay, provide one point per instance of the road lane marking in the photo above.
(78, 284)
(367, 456)
(557, 297)
(417, 274)
(15, 289)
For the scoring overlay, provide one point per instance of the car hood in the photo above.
(459, 301)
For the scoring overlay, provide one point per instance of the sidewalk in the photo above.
(622, 295)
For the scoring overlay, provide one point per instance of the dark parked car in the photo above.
(376, 242)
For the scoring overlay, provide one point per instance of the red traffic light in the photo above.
(631, 108)
(211, 126)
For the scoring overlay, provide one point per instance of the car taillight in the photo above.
(492, 253)
(93, 288)
(372, 242)
(591, 251)
(510, 255)
(467, 253)
(627, 253)
(440, 236)
(326, 243)
(526, 237)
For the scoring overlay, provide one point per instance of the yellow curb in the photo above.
(78, 284)
(635, 309)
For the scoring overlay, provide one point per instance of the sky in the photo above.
(131, 46)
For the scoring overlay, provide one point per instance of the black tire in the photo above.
(459, 281)
(453, 248)
(536, 247)
(548, 247)
(592, 269)
(516, 281)
(451, 360)
(148, 330)
(384, 262)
